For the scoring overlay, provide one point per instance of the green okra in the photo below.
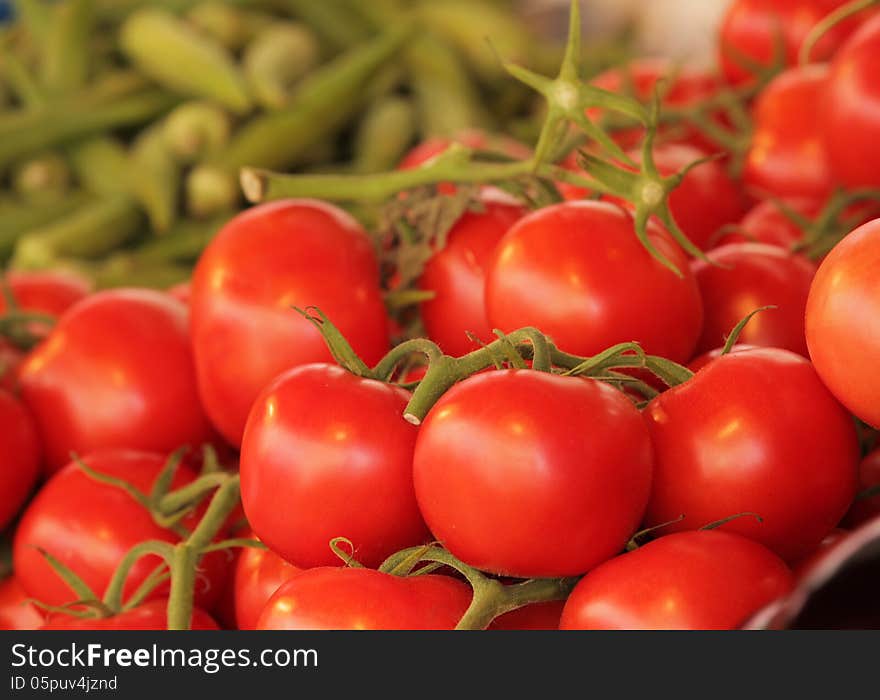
(195, 130)
(36, 17)
(44, 174)
(232, 26)
(67, 51)
(18, 218)
(384, 134)
(277, 59)
(180, 58)
(19, 81)
(334, 23)
(155, 178)
(185, 241)
(101, 165)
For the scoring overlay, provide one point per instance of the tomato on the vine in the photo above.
(116, 371)
(841, 322)
(766, 222)
(339, 598)
(741, 277)
(472, 138)
(691, 580)
(537, 616)
(19, 456)
(327, 454)
(258, 574)
(17, 612)
(47, 292)
(151, 615)
(577, 272)
(530, 474)
(753, 432)
(264, 262)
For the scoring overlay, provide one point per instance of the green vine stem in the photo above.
(831, 20)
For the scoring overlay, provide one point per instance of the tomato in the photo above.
(89, 527)
(337, 598)
(472, 138)
(537, 616)
(701, 361)
(753, 432)
(515, 472)
(808, 564)
(10, 360)
(264, 262)
(691, 580)
(742, 277)
(577, 272)
(19, 456)
(116, 371)
(707, 197)
(841, 322)
(850, 110)
(327, 454)
(47, 292)
(16, 611)
(456, 274)
(787, 156)
(180, 292)
(752, 28)
(766, 223)
(258, 574)
(151, 615)
(869, 476)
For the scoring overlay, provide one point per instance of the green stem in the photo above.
(187, 496)
(184, 562)
(828, 22)
(384, 370)
(114, 592)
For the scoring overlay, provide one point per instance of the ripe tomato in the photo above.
(10, 360)
(537, 616)
(457, 273)
(116, 371)
(691, 580)
(787, 156)
(327, 454)
(841, 323)
(16, 611)
(45, 292)
(850, 110)
(472, 138)
(766, 223)
(701, 361)
(831, 540)
(180, 292)
(753, 432)
(752, 28)
(515, 473)
(89, 527)
(152, 615)
(19, 456)
(264, 262)
(867, 508)
(337, 598)
(745, 277)
(577, 271)
(258, 574)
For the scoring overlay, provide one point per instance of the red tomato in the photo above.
(850, 109)
(752, 28)
(180, 292)
(745, 277)
(832, 539)
(16, 610)
(692, 580)
(258, 574)
(869, 476)
(766, 223)
(337, 598)
(116, 371)
(754, 432)
(841, 322)
(327, 454)
(787, 156)
(537, 616)
(152, 615)
(457, 274)
(701, 361)
(19, 456)
(577, 271)
(10, 360)
(472, 138)
(49, 293)
(515, 473)
(89, 527)
(264, 262)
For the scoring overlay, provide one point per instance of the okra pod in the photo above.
(155, 178)
(231, 26)
(384, 134)
(195, 130)
(277, 59)
(45, 174)
(331, 20)
(101, 165)
(67, 50)
(182, 59)
(16, 219)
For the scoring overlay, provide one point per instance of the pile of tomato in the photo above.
(574, 436)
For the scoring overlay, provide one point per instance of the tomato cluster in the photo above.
(524, 446)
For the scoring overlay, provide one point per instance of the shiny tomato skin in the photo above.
(19, 456)
(457, 276)
(151, 616)
(689, 581)
(10, 360)
(264, 262)
(701, 361)
(47, 292)
(869, 476)
(804, 567)
(328, 454)
(577, 272)
(742, 277)
(339, 598)
(537, 616)
(89, 527)
(181, 292)
(512, 442)
(787, 156)
(258, 574)
(753, 27)
(841, 322)
(766, 223)
(850, 111)
(16, 610)
(753, 432)
(116, 371)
